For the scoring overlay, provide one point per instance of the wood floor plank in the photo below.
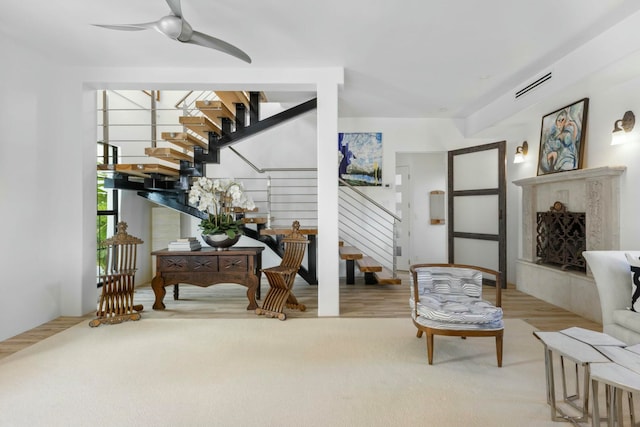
(358, 300)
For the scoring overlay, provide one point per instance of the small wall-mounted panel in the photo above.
(436, 207)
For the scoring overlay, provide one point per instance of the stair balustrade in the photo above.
(367, 225)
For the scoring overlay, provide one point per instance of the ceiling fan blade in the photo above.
(129, 27)
(174, 5)
(205, 40)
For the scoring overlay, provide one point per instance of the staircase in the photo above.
(367, 233)
(374, 272)
(218, 122)
(205, 134)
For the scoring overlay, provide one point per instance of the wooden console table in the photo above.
(206, 267)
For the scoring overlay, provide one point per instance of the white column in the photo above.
(328, 260)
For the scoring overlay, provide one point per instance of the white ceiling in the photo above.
(404, 58)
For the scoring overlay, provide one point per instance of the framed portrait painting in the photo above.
(562, 138)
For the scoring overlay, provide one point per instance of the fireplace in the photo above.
(561, 238)
(593, 192)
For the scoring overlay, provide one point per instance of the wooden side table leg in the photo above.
(157, 284)
(253, 283)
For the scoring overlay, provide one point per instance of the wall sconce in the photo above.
(622, 127)
(436, 207)
(521, 152)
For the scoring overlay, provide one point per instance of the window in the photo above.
(107, 204)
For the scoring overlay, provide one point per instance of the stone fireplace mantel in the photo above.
(594, 191)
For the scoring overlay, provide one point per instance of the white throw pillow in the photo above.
(634, 264)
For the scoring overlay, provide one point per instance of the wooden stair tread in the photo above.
(168, 154)
(143, 170)
(349, 253)
(215, 111)
(200, 125)
(366, 264)
(385, 277)
(254, 220)
(230, 98)
(184, 140)
(284, 231)
(237, 209)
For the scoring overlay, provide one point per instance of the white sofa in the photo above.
(613, 278)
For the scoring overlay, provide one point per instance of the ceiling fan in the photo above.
(177, 28)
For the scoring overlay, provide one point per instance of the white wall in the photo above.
(422, 140)
(136, 212)
(430, 135)
(428, 241)
(294, 139)
(605, 106)
(31, 211)
(47, 169)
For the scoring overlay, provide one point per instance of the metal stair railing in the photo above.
(134, 125)
(188, 102)
(288, 194)
(367, 225)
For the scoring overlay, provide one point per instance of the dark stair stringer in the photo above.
(232, 138)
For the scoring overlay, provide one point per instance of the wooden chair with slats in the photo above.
(118, 281)
(281, 277)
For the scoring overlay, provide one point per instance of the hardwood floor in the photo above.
(359, 300)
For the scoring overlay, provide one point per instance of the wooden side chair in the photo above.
(282, 276)
(118, 281)
(446, 299)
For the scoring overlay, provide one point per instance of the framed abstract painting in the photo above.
(562, 138)
(360, 158)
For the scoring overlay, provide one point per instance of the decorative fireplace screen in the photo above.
(561, 238)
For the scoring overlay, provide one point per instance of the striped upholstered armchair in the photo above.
(446, 299)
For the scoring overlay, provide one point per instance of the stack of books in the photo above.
(185, 244)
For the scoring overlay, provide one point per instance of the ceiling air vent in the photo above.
(531, 86)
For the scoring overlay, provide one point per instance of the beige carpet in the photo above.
(264, 372)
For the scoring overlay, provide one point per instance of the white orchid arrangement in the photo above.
(218, 198)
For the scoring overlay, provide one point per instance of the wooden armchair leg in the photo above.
(430, 347)
(419, 334)
(499, 349)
